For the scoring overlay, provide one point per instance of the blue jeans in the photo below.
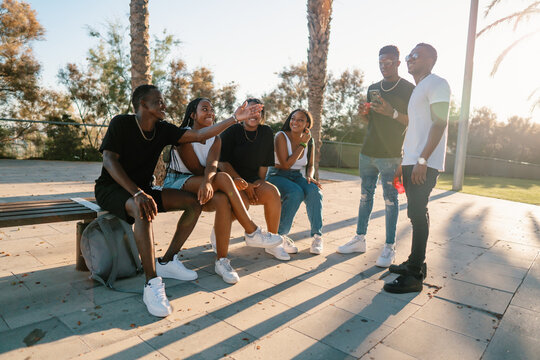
(370, 168)
(294, 189)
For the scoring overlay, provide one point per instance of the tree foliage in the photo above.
(19, 69)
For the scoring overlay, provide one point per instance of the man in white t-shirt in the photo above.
(424, 150)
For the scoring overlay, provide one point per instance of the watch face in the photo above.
(422, 161)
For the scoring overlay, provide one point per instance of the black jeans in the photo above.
(417, 211)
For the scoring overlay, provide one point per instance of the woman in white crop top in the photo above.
(193, 168)
(294, 157)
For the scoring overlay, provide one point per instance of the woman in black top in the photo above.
(247, 150)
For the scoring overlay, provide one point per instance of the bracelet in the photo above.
(304, 145)
(235, 118)
(138, 193)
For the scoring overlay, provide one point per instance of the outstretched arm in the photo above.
(244, 112)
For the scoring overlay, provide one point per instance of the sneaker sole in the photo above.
(315, 252)
(395, 290)
(264, 246)
(167, 276)
(350, 252)
(156, 314)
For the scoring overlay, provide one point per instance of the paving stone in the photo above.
(19, 262)
(304, 296)
(203, 337)
(246, 287)
(102, 325)
(335, 279)
(477, 296)
(426, 341)
(517, 336)
(45, 337)
(419, 298)
(128, 349)
(458, 318)
(278, 273)
(189, 299)
(258, 315)
(482, 276)
(288, 344)
(528, 293)
(343, 330)
(29, 231)
(3, 325)
(383, 352)
(377, 306)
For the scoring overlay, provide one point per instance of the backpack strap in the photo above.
(132, 244)
(107, 232)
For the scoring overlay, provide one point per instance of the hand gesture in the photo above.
(399, 173)
(363, 110)
(147, 206)
(314, 181)
(246, 111)
(383, 108)
(252, 195)
(205, 193)
(240, 184)
(306, 136)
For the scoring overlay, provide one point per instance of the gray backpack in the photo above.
(109, 250)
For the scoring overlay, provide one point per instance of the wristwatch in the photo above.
(422, 161)
(395, 114)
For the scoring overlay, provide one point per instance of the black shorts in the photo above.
(113, 198)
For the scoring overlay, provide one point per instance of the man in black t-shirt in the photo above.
(381, 153)
(131, 148)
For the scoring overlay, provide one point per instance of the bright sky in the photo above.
(248, 41)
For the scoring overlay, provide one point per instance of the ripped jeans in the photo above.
(370, 168)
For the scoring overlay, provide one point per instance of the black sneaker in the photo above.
(402, 269)
(404, 284)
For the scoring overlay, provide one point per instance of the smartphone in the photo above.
(375, 96)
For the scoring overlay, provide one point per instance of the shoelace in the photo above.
(159, 291)
(226, 263)
(386, 252)
(288, 241)
(317, 242)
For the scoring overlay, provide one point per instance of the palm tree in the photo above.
(319, 15)
(530, 11)
(140, 44)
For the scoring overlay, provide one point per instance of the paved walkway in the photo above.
(481, 298)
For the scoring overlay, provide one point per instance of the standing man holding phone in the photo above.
(381, 154)
(424, 151)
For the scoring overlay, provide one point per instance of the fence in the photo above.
(345, 155)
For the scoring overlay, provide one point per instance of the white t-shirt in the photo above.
(301, 162)
(201, 150)
(432, 89)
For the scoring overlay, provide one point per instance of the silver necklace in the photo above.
(142, 132)
(392, 88)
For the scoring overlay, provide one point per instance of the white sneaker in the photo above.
(279, 252)
(357, 244)
(213, 240)
(262, 239)
(316, 245)
(288, 245)
(155, 298)
(175, 270)
(224, 268)
(387, 257)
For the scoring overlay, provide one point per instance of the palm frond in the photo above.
(530, 10)
(491, 6)
(517, 15)
(507, 50)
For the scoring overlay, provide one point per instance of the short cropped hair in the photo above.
(389, 49)
(139, 93)
(430, 49)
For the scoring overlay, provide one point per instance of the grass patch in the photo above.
(520, 190)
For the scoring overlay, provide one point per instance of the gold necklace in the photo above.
(256, 133)
(142, 132)
(392, 88)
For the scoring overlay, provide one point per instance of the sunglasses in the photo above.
(413, 56)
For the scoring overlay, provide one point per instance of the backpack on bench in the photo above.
(109, 250)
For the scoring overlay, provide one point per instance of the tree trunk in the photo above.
(140, 59)
(319, 15)
(140, 43)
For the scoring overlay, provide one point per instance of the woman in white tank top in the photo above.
(294, 157)
(193, 168)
